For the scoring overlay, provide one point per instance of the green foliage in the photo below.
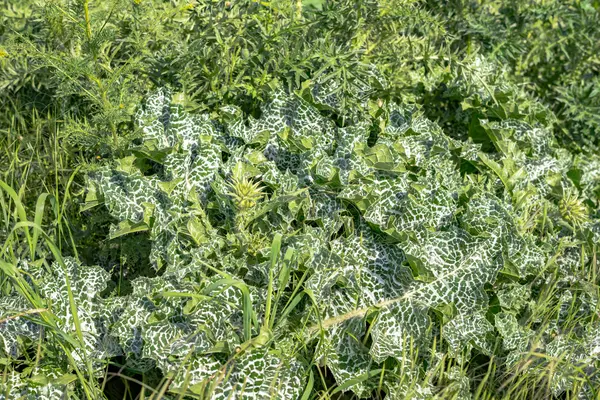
(312, 199)
(550, 47)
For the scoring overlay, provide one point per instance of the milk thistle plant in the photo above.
(245, 192)
(573, 210)
(298, 200)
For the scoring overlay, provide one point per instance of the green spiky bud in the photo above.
(245, 192)
(572, 209)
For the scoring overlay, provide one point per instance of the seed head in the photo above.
(572, 209)
(245, 192)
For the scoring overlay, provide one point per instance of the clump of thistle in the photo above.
(573, 210)
(244, 192)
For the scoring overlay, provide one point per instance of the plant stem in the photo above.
(275, 248)
(88, 22)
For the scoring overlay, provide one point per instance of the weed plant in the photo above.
(317, 199)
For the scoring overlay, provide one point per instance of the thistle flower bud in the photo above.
(572, 209)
